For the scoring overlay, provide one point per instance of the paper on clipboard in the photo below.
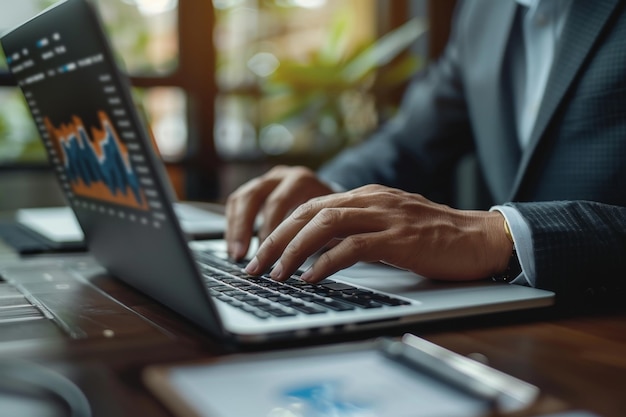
(59, 224)
(352, 382)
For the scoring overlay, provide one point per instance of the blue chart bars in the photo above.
(97, 166)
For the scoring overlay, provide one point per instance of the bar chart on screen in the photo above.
(96, 162)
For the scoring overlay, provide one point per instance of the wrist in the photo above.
(501, 247)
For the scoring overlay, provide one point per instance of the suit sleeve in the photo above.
(579, 248)
(418, 149)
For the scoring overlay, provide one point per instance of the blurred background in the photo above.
(232, 87)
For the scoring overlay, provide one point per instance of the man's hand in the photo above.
(273, 196)
(376, 223)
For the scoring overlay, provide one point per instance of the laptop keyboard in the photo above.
(14, 306)
(266, 298)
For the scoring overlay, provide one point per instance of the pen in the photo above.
(498, 390)
(437, 367)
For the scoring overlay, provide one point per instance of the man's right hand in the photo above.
(273, 196)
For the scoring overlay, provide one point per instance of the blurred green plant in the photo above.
(132, 36)
(3, 126)
(3, 60)
(331, 95)
(19, 140)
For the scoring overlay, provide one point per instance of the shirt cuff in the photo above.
(522, 238)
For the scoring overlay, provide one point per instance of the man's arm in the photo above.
(579, 247)
(419, 148)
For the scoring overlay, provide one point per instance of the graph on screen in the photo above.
(96, 162)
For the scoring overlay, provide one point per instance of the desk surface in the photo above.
(578, 359)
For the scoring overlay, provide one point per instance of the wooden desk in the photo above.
(579, 359)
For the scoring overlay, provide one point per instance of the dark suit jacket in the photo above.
(569, 184)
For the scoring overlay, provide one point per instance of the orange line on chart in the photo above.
(99, 191)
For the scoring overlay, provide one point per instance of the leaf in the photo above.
(384, 50)
(334, 48)
(302, 77)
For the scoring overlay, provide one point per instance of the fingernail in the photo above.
(276, 271)
(253, 266)
(307, 275)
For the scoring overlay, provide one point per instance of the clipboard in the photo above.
(386, 377)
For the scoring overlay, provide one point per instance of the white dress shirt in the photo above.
(542, 25)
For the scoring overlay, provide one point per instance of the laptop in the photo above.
(117, 187)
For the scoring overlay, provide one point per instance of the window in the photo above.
(168, 63)
(19, 142)
(298, 80)
(145, 35)
(232, 86)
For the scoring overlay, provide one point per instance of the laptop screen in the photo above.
(103, 157)
(83, 119)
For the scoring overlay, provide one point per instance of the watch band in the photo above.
(513, 269)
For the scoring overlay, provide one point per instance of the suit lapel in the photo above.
(584, 24)
(493, 113)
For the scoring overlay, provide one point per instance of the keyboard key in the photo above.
(245, 297)
(360, 302)
(306, 297)
(290, 302)
(260, 314)
(276, 312)
(333, 305)
(309, 309)
(258, 303)
(388, 301)
(337, 286)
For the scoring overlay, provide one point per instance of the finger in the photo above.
(241, 211)
(349, 251)
(283, 199)
(299, 187)
(327, 225)
(238, 231)
(274, 245)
